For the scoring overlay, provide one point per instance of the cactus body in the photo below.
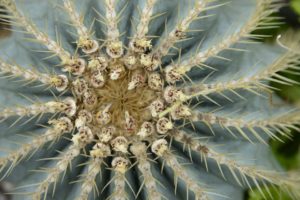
(143, 99)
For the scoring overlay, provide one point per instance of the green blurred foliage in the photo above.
(295, 4)
(288, 153)
(255, 195)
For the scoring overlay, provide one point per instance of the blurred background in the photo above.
(287, 153)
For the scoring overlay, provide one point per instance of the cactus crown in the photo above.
(130, 108)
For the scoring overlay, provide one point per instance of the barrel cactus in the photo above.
(143, 99)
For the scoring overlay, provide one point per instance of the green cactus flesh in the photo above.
(143, 99)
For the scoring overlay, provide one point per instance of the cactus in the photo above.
(144, 99)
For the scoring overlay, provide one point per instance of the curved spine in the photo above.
(149, 183)
(261, 18)
(59, 127)
(179, 32)
(88, 179)
(32, 29)
(60, 82)
(55, 172)
(85, 40)
(68, 106)
(245, 172)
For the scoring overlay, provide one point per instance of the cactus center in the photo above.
(120, 96)
(126, 104)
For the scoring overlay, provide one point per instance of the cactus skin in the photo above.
(116, 113)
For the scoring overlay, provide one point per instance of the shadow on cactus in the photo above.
(143, 99)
